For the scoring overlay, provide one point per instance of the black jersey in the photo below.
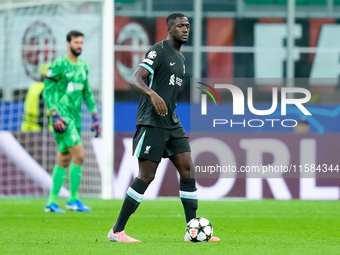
(167, 69)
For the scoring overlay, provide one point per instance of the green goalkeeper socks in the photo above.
(58, 178)
(74, 178)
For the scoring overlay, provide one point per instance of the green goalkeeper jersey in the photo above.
(66, 86)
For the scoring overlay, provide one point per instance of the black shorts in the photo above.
(153, 143)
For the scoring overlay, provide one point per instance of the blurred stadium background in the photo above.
(232, 39)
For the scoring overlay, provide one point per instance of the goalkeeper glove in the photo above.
(59, 124)
(95, 125)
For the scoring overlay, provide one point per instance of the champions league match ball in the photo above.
(199, 230)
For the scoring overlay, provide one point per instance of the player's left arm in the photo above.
(91, 105)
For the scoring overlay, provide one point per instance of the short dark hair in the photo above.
(73, 34)
(173, 17)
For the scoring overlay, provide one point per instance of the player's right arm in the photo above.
(51, 96)
(137, 82)
(152, 60)
(51, 91)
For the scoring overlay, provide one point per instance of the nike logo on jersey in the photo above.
(69, 74)
(172, 63)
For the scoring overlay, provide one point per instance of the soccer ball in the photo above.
(199, 230)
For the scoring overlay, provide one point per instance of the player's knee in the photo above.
(79, 158)
(184, 174)
(148, 178)
(185, 170)
(82, 155)
(64, 160)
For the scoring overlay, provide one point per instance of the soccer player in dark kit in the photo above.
(159, 132)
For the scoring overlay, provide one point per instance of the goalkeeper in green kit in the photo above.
(65, 88)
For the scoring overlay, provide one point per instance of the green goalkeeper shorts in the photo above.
(71, 137)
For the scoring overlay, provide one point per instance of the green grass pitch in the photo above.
(245, 227)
